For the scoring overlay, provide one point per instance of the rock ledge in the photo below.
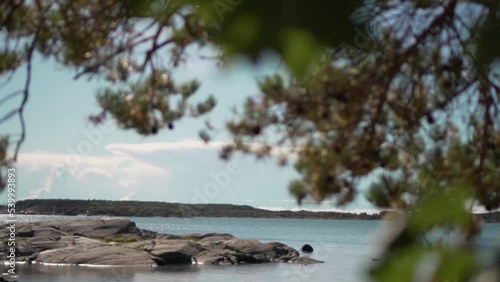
(117, 241)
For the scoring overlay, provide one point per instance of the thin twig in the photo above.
(8, 115)
(10, 96)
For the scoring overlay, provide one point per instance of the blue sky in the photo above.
(65, 156)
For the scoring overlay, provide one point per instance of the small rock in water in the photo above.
(307, 248)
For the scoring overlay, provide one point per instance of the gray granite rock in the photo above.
(304, 260)
(176, 251)
(98, 255)
(117, 241)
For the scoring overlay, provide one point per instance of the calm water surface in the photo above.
(345, 246)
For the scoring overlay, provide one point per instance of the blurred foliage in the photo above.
(147, 105)
(294, 28)
(408, 95)
(436, 263)
(404, 92)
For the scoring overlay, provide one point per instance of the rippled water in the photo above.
(345, 246)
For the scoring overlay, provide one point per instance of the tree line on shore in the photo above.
(163, 209)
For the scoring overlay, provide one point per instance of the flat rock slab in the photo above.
(97, 255)
(91, 228)
(118, 241)
(304, 260)
(95, 228)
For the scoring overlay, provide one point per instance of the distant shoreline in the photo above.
(162, 209)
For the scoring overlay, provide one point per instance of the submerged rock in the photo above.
(117, 241)
(304, 260)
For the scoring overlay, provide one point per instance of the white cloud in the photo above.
(127, 197)
(181, 145)
(46, 187)
(94, 170)
(127, 166)
(148, 148)
(124, 170)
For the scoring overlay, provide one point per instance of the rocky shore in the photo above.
(118, 241)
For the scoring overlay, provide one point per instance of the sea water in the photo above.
(346, 246)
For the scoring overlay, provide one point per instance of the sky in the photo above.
(67, 157)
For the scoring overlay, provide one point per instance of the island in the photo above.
(163, 209)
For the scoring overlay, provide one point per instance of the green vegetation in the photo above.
(407, 91)
(161, 209)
